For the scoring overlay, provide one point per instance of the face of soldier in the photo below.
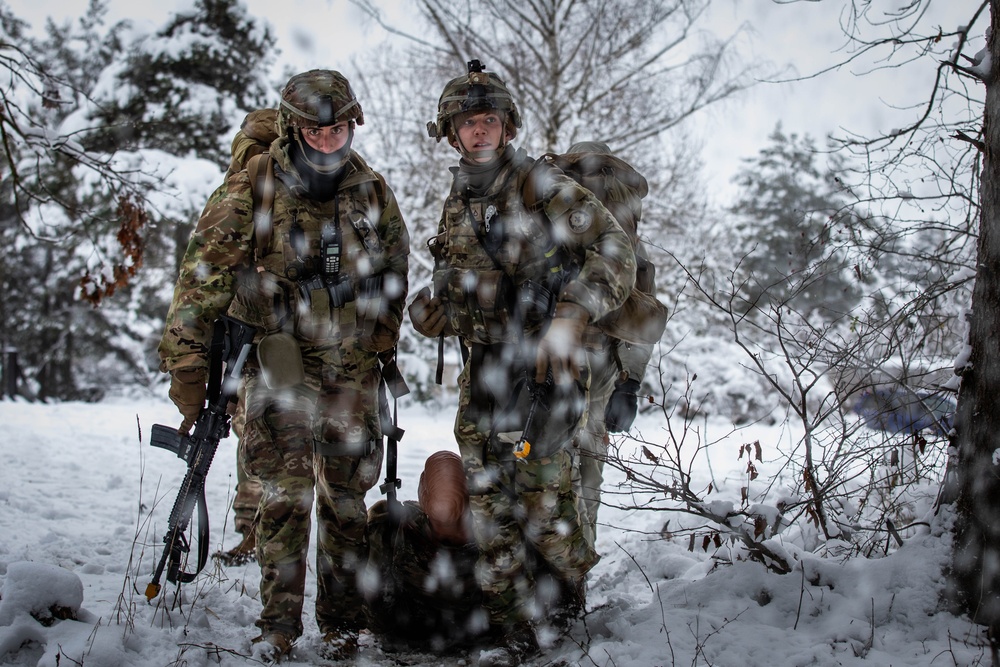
(329, 139)
(480, 134)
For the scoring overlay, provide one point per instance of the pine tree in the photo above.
(790, 222)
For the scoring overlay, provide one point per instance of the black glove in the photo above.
(622, 407)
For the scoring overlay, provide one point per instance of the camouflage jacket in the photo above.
(426, 591)
(509, 235)
(223, 272)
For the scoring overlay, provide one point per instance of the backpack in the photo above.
(642, 319)
(258, 130)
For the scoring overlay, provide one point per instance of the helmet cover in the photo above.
(317, 98)
(476, 91)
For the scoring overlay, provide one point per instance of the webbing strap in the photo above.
(261, 172)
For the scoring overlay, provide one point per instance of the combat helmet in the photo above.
(318, 98)
(476, 91)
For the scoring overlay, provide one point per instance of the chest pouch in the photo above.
(326, 304)
(477, 302)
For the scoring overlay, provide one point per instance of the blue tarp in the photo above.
(902, 410)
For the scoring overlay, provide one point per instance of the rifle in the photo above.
(231, 342)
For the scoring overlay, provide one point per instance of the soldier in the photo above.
(617, 366)
(324, 280)
(525, 261)
(421, 563)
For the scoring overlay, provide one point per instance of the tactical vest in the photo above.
(492, 258)
(317, 273)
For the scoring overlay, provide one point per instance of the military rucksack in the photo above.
(255, 136)
(642, 319)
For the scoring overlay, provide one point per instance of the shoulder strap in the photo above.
(260, 168)
(531, 175)
(376, 195)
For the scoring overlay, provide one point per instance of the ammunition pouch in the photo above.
(476, 302)
(330, 308)
(483, 306)
(537, 303)
(280, 360)
(339, 291)
(369, 304)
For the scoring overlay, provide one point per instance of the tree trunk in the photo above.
(975, 575)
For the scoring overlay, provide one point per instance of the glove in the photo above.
(561, 349)
(427, 314)
(187, 391)
(622, 407)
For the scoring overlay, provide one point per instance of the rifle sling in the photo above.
(203, 537)
(216, 358)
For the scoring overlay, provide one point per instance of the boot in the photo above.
(572, 603)
(272, 646)
(339, 644)
(242, 553)
(515, 646)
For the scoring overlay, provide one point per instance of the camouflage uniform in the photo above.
(246, 501)
(522, 508)
(427, 592)
(610, 360)
(320, 437)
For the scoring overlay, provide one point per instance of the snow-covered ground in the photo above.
(84, 504)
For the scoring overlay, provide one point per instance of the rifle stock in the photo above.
(231, 345)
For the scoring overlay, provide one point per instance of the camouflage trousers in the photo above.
(524, 511)
(591, 443)
(248, 488)
(318, 439)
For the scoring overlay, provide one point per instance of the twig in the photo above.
(648, 583)
(802, 594)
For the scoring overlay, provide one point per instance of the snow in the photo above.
(84, 502)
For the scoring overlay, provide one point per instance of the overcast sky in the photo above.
(804, 35)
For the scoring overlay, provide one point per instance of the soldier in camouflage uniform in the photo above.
(421, 566)
(617, 367)
(525, 261)
(324, 279)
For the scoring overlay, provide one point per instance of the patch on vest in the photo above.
(580, 221)
(491, 212)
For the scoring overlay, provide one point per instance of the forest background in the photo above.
(808, 276)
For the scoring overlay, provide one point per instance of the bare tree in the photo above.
(628, 67)
(936, 185)
(627, 73)
(623, 72)
(976, 562)
(98, 125)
